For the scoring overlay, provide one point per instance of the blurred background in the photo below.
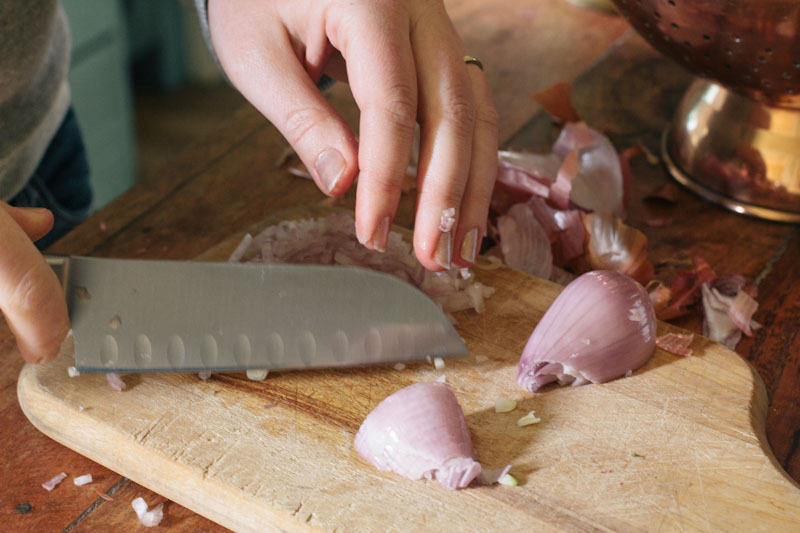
(144, 87)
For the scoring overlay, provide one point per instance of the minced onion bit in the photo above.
(147, 518)
(509, 480)
(115, 381)
(257, 374)
(490, 476)
(438, 363)
(51, 483)
(82, 480)
(399, 366)
(502, 405)
(528, 419)
(72, 372)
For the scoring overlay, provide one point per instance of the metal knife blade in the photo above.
(133, 315)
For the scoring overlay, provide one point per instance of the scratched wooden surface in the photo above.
(177, 216)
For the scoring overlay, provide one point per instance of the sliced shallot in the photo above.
(51, 483)
(420, 432)
(600, 326)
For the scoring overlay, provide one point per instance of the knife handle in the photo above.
(60, 265)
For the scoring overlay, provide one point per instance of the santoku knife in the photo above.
(134, 315)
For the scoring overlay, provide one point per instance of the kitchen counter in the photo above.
(231, 181)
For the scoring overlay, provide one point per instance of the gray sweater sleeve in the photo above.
(202, 13)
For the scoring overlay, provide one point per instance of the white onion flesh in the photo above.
(147, 518)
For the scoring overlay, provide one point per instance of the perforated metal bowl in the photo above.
(735, 137)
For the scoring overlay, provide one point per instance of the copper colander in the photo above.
(735, 137)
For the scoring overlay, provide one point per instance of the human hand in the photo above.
(405, 64)
(31, 297)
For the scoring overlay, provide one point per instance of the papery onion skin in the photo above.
(420, 432)
(601, 326)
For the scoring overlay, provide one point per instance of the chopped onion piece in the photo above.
(50, 484)
(115, 381)
(528, 419)
(147, 518)
(72, 372)
(205, 375)
(399, 366)
(441, 379)
(438, 363)
(82, 480)
(481, 358)
(490, 476)
(240, 250)
(677, 343)
(509, 480)
(502, 405)
(257, 374)
(448, 220)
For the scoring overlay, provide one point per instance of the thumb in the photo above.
(31, 297)
(36, 222)
(265, 69)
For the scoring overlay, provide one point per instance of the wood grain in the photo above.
(680, 443)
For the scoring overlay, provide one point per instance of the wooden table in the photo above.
(230, 181)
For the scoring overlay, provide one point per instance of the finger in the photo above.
(447, 117)
(261, 62)
(31, 297)
(482, 173)
(381, 72)
(36, 222)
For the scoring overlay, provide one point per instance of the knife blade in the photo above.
(136, 315)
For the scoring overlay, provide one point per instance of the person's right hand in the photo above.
(31, 298)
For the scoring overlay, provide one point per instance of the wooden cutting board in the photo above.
(679, 445)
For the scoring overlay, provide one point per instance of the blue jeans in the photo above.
(60, 182)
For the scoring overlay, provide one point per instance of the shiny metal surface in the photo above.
(186, 316)
(736, 137)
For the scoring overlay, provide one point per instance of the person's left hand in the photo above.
(31, 298)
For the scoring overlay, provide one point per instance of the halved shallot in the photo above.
(420, 432)
(601, 326)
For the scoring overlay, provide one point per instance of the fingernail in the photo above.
(443, 250)
(469, 246)
(381, 235)
(330, 166)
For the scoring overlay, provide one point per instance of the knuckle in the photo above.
(460, 114)
(299, 122)
(28, 296)
(401, 108)
(487, 116)
(383, 185)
